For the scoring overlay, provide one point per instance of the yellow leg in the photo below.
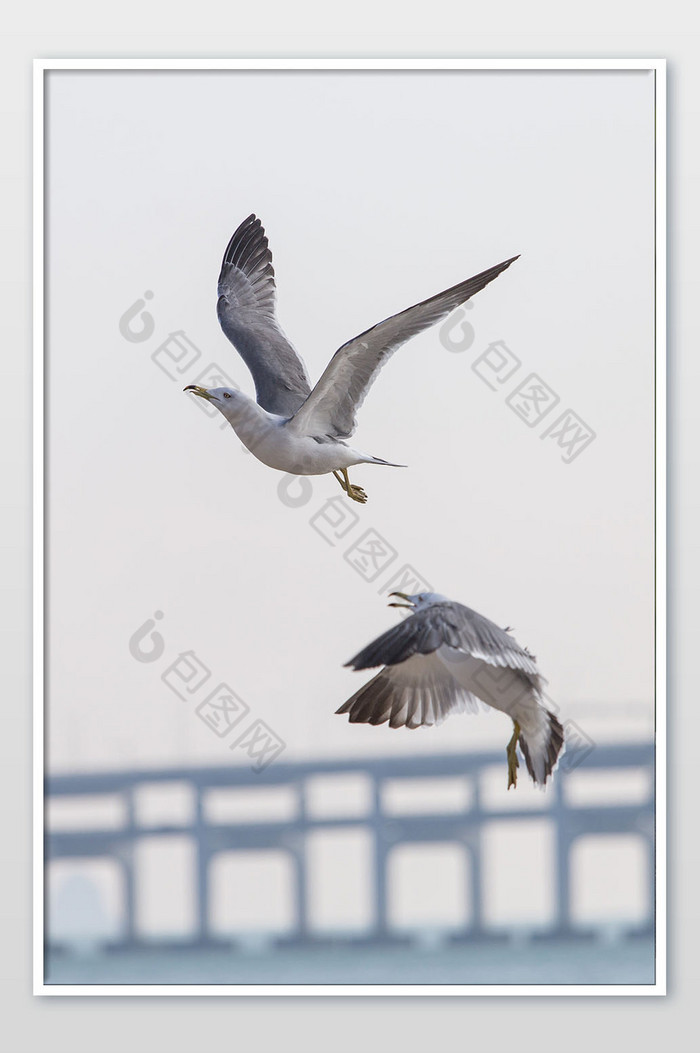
(512, 756)
(356, 493)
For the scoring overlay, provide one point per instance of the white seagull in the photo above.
(444, 659)
(291, 427)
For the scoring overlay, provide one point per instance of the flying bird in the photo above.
(443, 659)
(291, 427)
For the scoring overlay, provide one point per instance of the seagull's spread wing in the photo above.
(481, 638)
(246, 311)
(471, 648)
(330, 408)
(449, 625)
(417, 692)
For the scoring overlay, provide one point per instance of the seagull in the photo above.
(291, 427)
(443, 659)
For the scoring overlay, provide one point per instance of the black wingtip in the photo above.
(246, 243)
(249, 221)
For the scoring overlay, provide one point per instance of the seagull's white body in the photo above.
(502, 689)
(276, 442)
(292, 427)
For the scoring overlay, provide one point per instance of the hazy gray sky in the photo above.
(376, 190)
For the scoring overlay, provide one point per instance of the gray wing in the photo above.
(446, 625)
(479, 661)
(331, 407)
(246, 312)
(419, 692)
(416, 686)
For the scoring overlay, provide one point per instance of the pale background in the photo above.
(312, 28)
(376, 191)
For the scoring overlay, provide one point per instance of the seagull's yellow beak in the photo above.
(202, 392)
(403, 596)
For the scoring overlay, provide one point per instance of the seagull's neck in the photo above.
(248, 420)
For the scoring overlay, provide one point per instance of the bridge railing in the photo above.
(386, 828)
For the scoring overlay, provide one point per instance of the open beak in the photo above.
(202, 392)
(403, 596)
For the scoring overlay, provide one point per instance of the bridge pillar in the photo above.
(202, 876)
(477, 884)
(125, 854)
(298, 853)
(563, 841)
(381, 854)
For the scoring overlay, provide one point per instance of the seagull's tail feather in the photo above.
(541, 740)
(380, 460)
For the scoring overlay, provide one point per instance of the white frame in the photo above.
(41, 67)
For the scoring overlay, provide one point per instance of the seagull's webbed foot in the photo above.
(512, 756)
(356, 493)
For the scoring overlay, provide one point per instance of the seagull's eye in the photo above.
(227, 395)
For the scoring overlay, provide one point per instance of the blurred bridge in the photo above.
(450, 799)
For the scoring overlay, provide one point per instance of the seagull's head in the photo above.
(226, 400)
(419, 600)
